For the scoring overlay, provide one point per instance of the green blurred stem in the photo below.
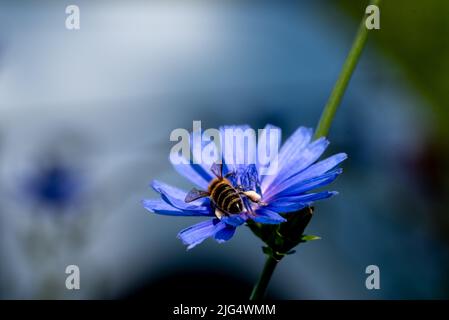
(261, 285)
(342, 82)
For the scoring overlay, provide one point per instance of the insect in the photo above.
(225, 198)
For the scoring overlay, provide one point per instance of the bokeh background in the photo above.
(85, 118)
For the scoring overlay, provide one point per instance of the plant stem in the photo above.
(343, 79)
(261, 285)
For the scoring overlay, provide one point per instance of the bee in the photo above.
(225, 198)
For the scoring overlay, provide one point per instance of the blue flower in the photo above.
(55, 185)
(286, 191)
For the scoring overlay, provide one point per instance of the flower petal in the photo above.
(313, 171)
(296, 189)
(246, 177)
(235, 143)
(267, 216)
(235, 220)
(165, 188)
(162, 207)
(323, 166)
(286, 207)
(205, 164)
(273, 145)
(176, 198)
(194, 173)
(294, 144)
(199, 232)
(299, 161)
(310, 197)
(225, 234)
(289, 204)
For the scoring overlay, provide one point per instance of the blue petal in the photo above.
(161, 207)
(303, 186)
(273, 145)
(176, 198)
(225, 234)
(322, 167)
(197, 172)
(204, 171)
(193, 174)
(294, 144)
(310, 184)
(200, 165)
(286, 207)
(235, 220)
(267, 216)
(299, 161)
(246, 177)
(199, 232)
(289, 204)
(234, 151)
(314, 171)
(162, 187)
(310, 197)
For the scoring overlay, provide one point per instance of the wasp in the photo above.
(225, 198)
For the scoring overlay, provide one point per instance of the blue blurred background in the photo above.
(85, 119)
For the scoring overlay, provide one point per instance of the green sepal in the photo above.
(282, 238)
(306, 238)
(275, 254)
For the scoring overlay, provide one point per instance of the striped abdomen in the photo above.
(225, 197)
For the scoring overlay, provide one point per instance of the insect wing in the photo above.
(217, 169)
(195, 194)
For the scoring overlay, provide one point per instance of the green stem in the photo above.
(342, 82)
(261, 285)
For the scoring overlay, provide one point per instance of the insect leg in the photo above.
(253, 196)
(219, 213)
(249, 209)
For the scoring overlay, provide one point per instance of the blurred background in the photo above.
(85, 118)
